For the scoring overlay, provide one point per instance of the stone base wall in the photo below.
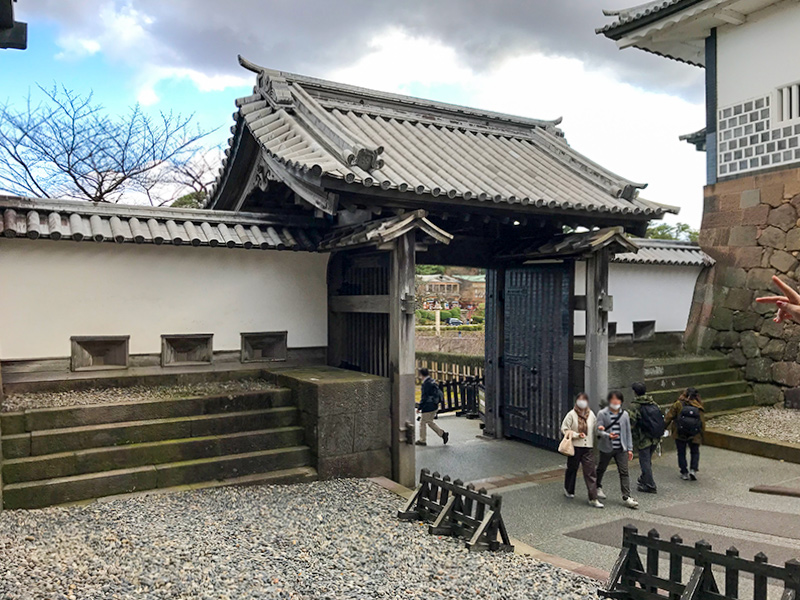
(347, 419)
(751, 228)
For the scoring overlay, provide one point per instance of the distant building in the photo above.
(473, 289)
(438, 289)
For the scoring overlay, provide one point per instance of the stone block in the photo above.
(747, 257)
(774, 349)
(791, 189)
(738, 358)
(374, 463)
(756, 215)
(793, 239)
(749, 344)
(710, 204)
(772, 194)
(721, 319)
(726, 340)
(738, 184)
(738, 299)
(791, 398)
(745, 320)
(786, 373)
(759, 279)
(783, 217)
(772, 237)
(722, 219)
(791, 352)
(732, 277)
(772, 329)
(783, 261)
(759, 369)
(743, 235)
(373, 430)
(767, 394)
(764, 309)
(750, 198)
(336, 435)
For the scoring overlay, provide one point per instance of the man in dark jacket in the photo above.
(644, 441)
(430, 398)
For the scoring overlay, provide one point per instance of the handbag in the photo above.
(565, 447)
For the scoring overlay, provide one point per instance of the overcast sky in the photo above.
(537, 58)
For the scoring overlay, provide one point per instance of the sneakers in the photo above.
(568, 495)
(630, 502)
(685, 476)
(421, 443)
(601, 494)
(596, 504)
(692, 474)
(645, 490)
(446, 437)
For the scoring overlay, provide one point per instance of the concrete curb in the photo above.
(748, 444)
(519, 547)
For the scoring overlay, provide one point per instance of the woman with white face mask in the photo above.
(615, 443)
(581, 424)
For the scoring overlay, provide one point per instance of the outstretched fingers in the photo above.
(791, 294)
(772, 299)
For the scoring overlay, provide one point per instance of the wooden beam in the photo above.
(401, 359)
(494, 348)
(597, 307)
(359, 304)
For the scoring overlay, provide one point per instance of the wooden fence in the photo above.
(458, 510)
(630, 578)
(448, 367)
(462, 396)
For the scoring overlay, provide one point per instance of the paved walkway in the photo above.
(537, 513)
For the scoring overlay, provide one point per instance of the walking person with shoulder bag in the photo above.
(686, 421)
(580, 426)
(615, 442)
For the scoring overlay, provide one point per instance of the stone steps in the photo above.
(721, 386)
(78, 453)
(61, 490)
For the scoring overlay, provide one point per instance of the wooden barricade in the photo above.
(461, 396)
(630, 578)
(457, 510)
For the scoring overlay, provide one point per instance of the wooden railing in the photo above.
(630, 578)
(462, 396)
(449, 367)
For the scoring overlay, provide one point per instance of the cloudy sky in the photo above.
(537, 58)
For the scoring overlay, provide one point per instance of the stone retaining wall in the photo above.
(751, 228)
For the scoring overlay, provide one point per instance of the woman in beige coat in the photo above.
(581, 424)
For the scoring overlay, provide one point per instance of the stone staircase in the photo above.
(62, 455)
(721, 386)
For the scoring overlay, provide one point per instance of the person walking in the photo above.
(647, 428)
(581, 424)
(430, 399)
(615, 443)
(686, 421)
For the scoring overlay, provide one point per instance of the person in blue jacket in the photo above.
(430, 399)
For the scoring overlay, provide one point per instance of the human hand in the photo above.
(581, 435)
(788, 305)
(601, 428)
(665, 434)
(613, 436)
(630, 455)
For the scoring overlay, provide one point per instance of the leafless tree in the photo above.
(67, 146)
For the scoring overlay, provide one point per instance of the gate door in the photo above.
(537, 351)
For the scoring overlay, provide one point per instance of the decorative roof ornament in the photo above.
(277, 90)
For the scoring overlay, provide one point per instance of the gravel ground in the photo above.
(126, 394)
(329, 540)
(774, 423)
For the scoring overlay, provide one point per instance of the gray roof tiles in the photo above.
(666, 252)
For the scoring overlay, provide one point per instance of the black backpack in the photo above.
(689, 421)
(651, 421)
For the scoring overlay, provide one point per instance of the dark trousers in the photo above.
(694, 450)
(620, 457)
(646, 465)
(584, 458)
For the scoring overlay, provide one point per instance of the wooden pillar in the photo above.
(494, 348)
(401, 359)
(598, 305)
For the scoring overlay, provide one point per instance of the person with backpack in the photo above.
(686, 421)
(580, 426)
(615, 443)
(647, 429)
(430, 399)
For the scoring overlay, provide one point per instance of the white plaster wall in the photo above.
(760, 55)
(657, 293)
(52, 290)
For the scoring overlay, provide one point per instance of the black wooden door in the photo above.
(537, 352)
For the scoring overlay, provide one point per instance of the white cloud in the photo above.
(629, 130)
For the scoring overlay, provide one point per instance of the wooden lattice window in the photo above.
(264, 346)
(185, 350)
(99, 352)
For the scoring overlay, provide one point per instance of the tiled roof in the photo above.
(375, 233)
(696, 138)
(643, 12)
(665, 252)
(78, 221)
(578, 245)
(318, 131)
